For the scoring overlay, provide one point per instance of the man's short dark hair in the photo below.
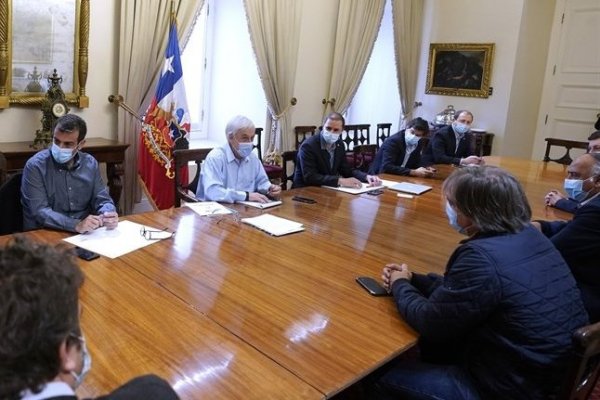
(334, 116)
(419, 124)
(71, 122)
(491, 197)
(39, 310)
(457, 114)
(594, 136)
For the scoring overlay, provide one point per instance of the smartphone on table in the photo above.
(372, 286)
(86, 254)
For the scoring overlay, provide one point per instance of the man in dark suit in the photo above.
(578, 240)
(42, 350)
(453, 144)
(400, 154)
(322, 159)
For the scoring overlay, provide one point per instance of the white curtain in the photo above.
(274, 27)
(357, 27)
(144, 31)
(408, 22)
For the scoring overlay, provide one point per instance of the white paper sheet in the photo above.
(114, 243)
(208, 208)
(273, 225)
(410, 187)
(363, 189)
(257, 204)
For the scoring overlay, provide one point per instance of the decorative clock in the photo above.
(54, 106)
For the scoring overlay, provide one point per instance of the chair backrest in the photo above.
(383, 132)
(11, 211)
(182, 158)
(258, 142)
(355, 135)
(364, 154)
(288, 156)
(2, 168)
(567, 144)
(302, 132)
(584, 368)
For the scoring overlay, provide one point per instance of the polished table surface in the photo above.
(223, 310)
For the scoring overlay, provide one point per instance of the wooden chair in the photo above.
(302, 132)
(182, 158)
(584, 368)
(355, 135)
(568, 144)
(258, 142)
(273, 171)
(364, 154)
(383, 132)
(288, 156)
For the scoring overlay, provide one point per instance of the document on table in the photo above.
(363, 189)
(260, 205)
(208, 208)
(273, 225)
(125, 238)
(412, 188)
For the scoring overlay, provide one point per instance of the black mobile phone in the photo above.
(372, 286)
(304, 199)
(86, 254)
(375, 192)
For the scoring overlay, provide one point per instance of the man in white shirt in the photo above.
(233, 172)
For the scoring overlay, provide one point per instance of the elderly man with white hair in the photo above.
(232, 172)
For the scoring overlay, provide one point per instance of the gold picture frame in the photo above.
(77, 97)
(460, 69)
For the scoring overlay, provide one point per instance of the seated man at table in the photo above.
(400, 154)
(568, 203)
(42, 349)
(498, 324)
(62, 188)
(233, 172)
(579, 239)
(453, 144)
(322, 159)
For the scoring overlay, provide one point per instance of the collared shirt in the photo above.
(58, 197)
(227, 179)
(50, 390)
(408, 151)
(458, 137)
(330, 149)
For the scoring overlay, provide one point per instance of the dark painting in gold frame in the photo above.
(460, 69)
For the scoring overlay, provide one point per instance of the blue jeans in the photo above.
(416, 380)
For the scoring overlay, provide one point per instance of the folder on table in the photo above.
(273, 225)
(408, 187)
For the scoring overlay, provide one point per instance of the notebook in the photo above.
(273, 225)
(260, 205)
(208, 208)
(408, 187)
(363, 189)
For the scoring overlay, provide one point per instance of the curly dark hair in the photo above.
(39, 287)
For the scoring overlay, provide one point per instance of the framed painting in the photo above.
(460, 69)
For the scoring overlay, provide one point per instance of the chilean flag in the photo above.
(166, 128)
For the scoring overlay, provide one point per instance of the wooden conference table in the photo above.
(223, 310)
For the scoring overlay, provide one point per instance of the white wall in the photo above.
(474, 21)
(20, 123)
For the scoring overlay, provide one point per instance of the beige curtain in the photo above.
(144, 31)
(357, 28)
(407, 21)
(274, 27)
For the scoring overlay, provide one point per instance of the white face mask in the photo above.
(87, 363)
(410, 138)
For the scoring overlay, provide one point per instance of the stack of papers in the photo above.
(208, 208)
(410, 187)
(273, 225)
(260, 205)
(363, 189)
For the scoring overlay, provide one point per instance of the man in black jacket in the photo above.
(322, 159)
(453, 144)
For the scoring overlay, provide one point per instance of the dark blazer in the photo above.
(313, 168)
(568, 205)
(441, 148)
(146, 387)
(390, 156)
(579, 243)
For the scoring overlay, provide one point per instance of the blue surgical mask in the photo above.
(87, 364)
(245, 149)
(410, 138)
(453, 219)
(574, 189)
(62, 156)
(330, 137)
(460, 128)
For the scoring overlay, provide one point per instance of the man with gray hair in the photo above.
(578, 240)
(232, 172)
